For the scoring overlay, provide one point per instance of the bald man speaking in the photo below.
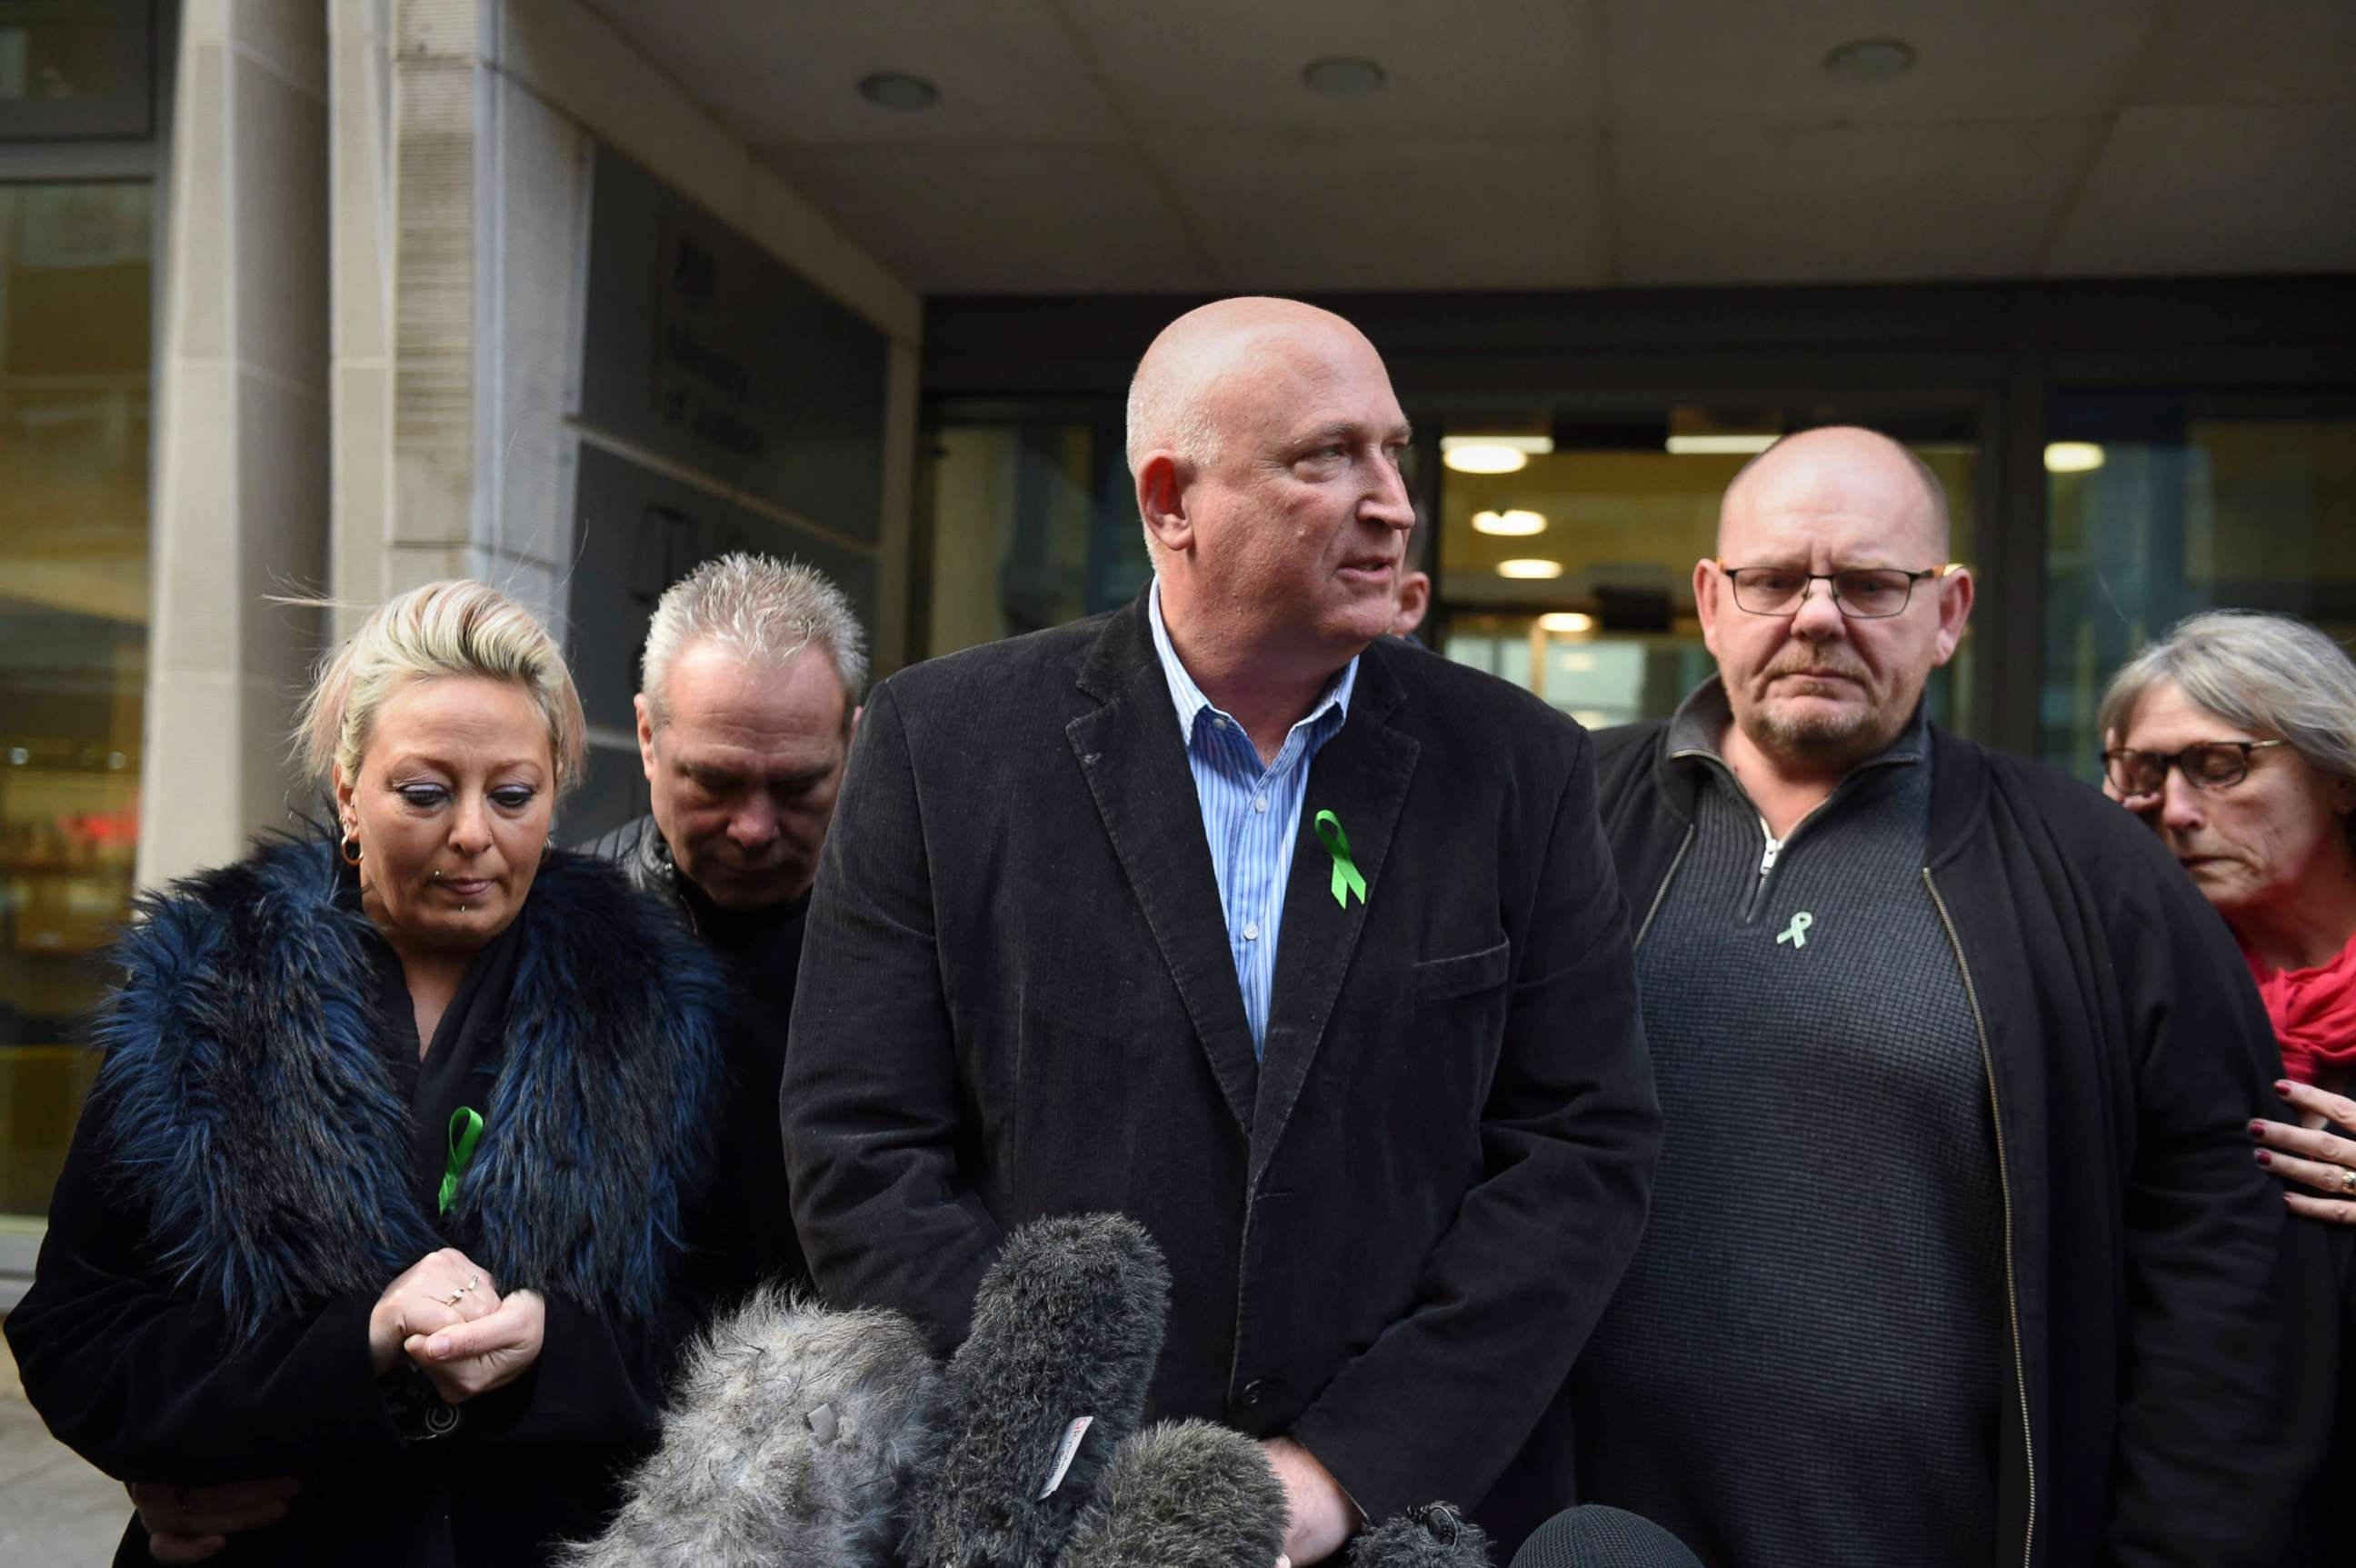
(1227, 911)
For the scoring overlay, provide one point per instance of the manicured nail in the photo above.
(2258, 1131)
(2265, 1158)
(2282, 1087)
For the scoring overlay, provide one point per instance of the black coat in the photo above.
(1017, 999)
(759, 954)
(240, 1191)
(2157, 1284)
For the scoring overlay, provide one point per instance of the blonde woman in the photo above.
(368, 1249)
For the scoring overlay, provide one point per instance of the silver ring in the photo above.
(2348, 1180)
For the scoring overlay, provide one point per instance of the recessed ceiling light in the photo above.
(2072, 457)
(1492, 454)
(1870, 60)
(1530, 568)
(1567, 620)
(1341, 77)
(896, 89)
(1720, 445)
(1512, 524)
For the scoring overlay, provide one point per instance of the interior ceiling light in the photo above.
(1514, 524)
(1566, 621)
(2072, 457)
(1720, 445)
(1867, 61)
(1530, 568)
(896, 89)
(1492, 454)
(1341, 77)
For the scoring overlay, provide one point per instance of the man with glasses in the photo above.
(1957, 1255)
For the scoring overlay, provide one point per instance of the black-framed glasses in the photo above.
(1863, 593)
(2206, 765)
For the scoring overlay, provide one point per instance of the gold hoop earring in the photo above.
(349, 848)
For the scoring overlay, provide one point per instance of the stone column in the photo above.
(241, 488)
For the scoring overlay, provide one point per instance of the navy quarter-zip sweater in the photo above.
(2163, 1403)
(1809, 1353)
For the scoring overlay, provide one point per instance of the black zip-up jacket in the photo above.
(2164, 1409)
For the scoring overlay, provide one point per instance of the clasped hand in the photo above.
(445, 1313)
(447, 1316)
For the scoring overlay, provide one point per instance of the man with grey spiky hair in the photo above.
(748, 696)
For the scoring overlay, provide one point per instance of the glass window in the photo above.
(1568, 545)
(76, 68)
(75, 291)
(2159, 504)
(1034, 523)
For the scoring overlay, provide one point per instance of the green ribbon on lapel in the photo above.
(466, 1131)
(1346, 879)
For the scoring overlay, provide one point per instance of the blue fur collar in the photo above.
(245, 1099)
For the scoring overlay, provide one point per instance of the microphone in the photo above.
(1433, 1536)
(1597, 1537)
(1182, 1494)
(1067, 1327)
(790, 1436)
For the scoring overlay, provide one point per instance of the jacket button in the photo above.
(1251, 1392)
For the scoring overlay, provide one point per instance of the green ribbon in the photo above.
(1346, 879)
(466, 1131)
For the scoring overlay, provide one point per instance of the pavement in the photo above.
(55, 1510)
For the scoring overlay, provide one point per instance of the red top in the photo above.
(2314, 1012)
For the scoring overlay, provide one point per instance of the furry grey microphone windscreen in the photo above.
(1183, 1493)
(1597, 1537)
(1433, 1537)
(790, 1438)
(1066, 1323)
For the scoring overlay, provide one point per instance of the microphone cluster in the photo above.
(817, 1439)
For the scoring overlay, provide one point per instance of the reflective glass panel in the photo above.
(1034, 523)
(75, 290)
(2162, 504)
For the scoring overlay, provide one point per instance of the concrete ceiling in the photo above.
(1150, 145)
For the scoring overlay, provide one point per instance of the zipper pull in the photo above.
(1767, 859)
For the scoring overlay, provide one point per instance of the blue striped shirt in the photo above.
(1250, 813)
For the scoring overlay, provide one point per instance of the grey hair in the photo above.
(2273, 674)
(761, 609)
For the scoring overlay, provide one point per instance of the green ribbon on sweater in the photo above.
(466, 1131)
(1346, 879)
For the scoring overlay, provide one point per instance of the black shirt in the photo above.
(762, 951)
(462, 1066)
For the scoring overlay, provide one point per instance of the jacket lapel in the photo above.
(1130, 751)
(1361, 776)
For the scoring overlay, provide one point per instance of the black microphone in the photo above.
(791, 1434)
(1067, 1327)
(1597, 1537)
(1182, 1494)
(1434, 1536)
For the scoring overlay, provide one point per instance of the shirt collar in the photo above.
(1188, 698)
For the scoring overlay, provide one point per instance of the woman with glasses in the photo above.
(2235, 738)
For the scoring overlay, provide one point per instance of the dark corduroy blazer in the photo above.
(1391, 1237)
